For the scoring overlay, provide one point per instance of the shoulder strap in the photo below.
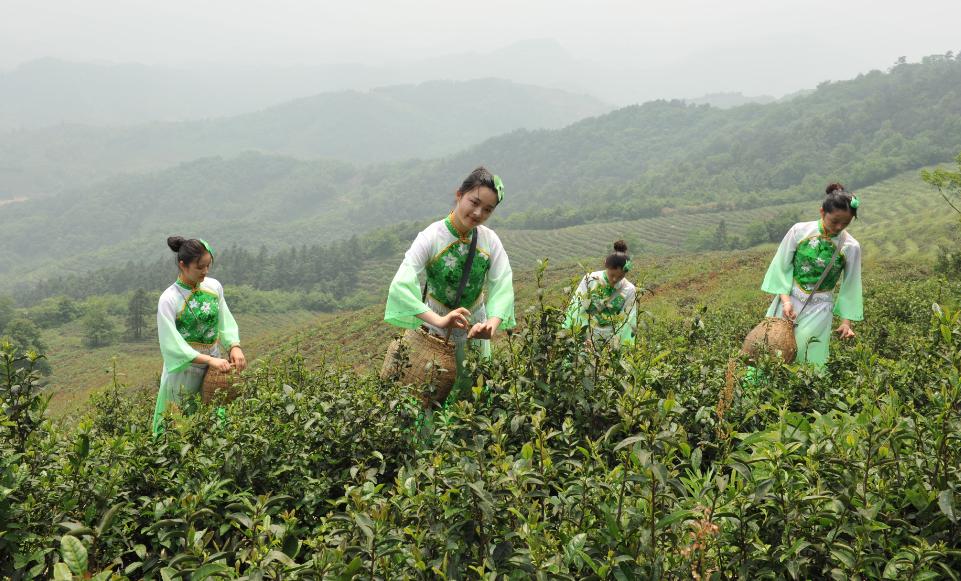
(824, 275)
(467, 267)
(464, 275)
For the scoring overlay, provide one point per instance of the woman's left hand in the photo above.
(845, 331)
(237, 358)
(484, 330)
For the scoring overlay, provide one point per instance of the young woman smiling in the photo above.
(439, 253)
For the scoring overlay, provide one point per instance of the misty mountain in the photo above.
(633, 162)
(50, 91)
(729, 100)
(428, 120)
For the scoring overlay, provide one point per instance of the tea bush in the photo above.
(561, 462)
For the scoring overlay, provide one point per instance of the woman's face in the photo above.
(195, 272)
(475, 207)
(614, 275)
(836, 221)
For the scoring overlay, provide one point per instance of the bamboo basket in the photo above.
(773, 335)
(421, 358)
(219, 385)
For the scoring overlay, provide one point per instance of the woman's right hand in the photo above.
(787, 308)
(459, 318)
(219, 364)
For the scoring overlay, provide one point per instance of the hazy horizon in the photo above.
(632, 52)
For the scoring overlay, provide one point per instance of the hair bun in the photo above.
(175, 242)
(833, 187)
(620, 246)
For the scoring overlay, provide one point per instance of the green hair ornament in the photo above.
(855, 202)
(499, 188)
(209, 249)
(627, 265)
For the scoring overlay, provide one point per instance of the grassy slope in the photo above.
(79, 371)
(894, 212)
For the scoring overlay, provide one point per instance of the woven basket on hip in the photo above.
(219, 385)
(421, 358)
(773, 335)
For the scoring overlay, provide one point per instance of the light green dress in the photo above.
(800, 260)
(439, 254)
(609, 309)
(190, 321)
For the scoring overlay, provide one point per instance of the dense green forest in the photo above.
(634, 162)
(392, 123)
(330, 270)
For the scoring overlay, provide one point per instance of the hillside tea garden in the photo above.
(562, 463)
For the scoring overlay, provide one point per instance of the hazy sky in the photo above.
(802, 42)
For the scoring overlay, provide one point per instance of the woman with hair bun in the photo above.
(440, 254)
(605, 301)
(194, 326)
(801, 260)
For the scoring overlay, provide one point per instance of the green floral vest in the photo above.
(601, 306)
(197, 320)
(812, 257)
(445, 269)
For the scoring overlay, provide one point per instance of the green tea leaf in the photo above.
(74, 554)
(946, 504)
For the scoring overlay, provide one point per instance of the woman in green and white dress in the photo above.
(195, 328)
(800, 261)
(605, 301)
(439, 253)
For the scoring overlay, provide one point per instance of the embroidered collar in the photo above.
(449, 222)
(822, 234)
(185, 286)
(607, 281)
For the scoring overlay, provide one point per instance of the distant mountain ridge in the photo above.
(728, 100)
(50, 91)
(427, 120)
(632, 163)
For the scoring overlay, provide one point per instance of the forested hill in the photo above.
(391, 123)
(631, 163)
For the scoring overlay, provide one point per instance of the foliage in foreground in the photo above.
(561, 463)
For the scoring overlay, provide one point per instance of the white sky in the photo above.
(804, 41)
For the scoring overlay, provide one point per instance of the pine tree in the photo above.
(136, 314)
(98, 329)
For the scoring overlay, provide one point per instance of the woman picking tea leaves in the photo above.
(808, 249)
(195, 328)
(440, 252)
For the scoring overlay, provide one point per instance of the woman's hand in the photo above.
(845, 331)
(787, 308)
(236, 357)
(484, 330)
(459, 318)
(219, 364)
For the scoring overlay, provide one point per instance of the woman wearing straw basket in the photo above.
(606, 301)
(808, 249)
(195, 328)
(440, 252)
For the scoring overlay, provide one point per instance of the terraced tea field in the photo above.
(900, 216)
